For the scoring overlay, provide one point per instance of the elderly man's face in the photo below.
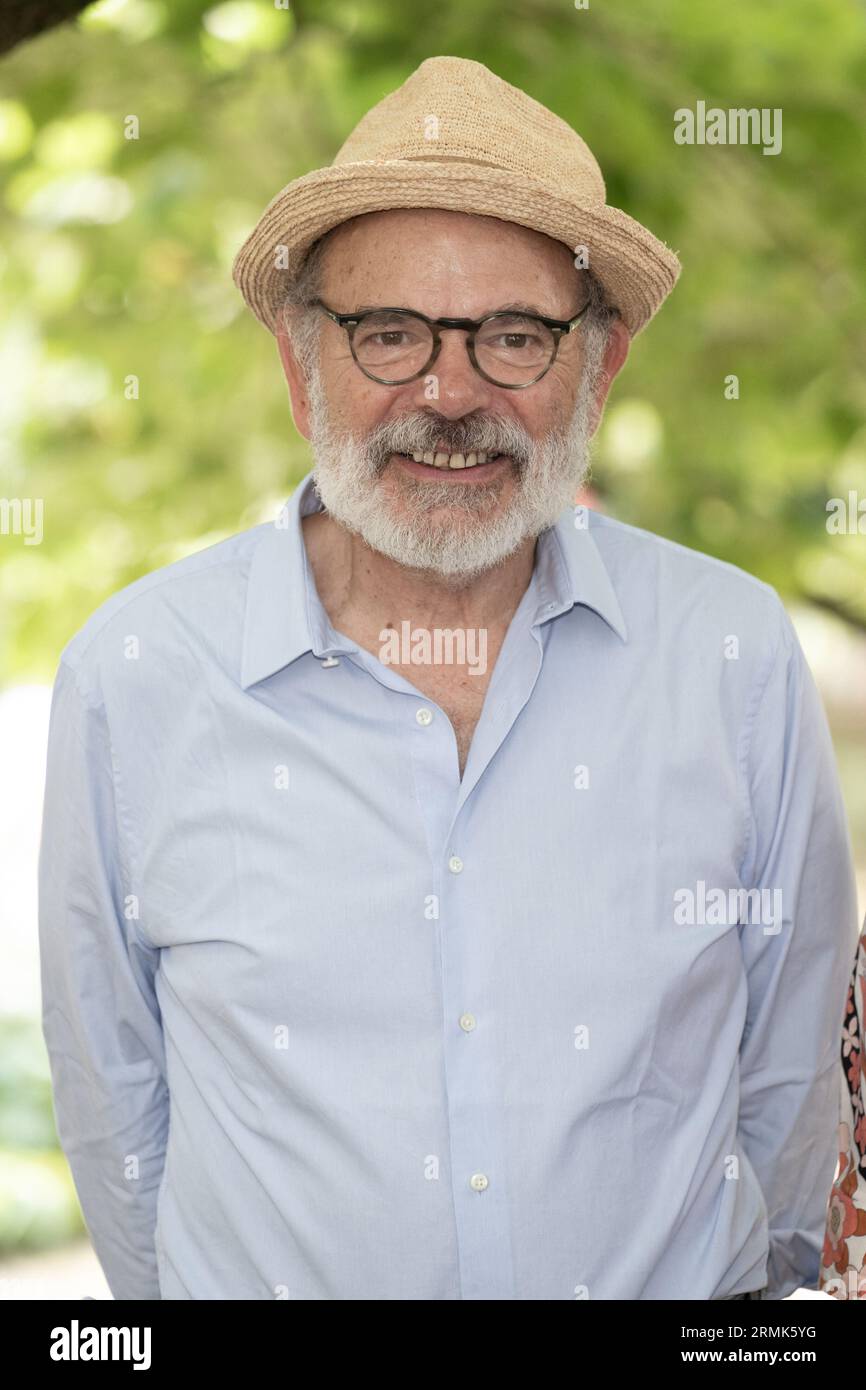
(456, 522)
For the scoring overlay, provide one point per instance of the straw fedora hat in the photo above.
(457, 136)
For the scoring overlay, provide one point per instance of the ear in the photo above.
(297, 384)
(615, 353)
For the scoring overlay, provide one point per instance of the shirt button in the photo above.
(455, 864)
(467, 1022)
(331, 661)
(424, 715)
(478, 1181)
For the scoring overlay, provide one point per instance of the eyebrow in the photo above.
(521, 308)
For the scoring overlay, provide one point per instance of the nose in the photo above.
(451, 382)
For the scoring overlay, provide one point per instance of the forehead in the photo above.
(433, 259)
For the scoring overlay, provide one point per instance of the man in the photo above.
(446, 891)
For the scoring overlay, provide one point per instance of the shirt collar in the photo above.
(569, 570)
(284, 616)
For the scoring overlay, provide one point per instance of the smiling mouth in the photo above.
(450, 462)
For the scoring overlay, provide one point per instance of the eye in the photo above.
(515, 340)
(519, 343)
(382, 332)
(389, 337)
(515, 334)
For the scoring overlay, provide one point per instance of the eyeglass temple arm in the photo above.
(572, 323)
(340, 319)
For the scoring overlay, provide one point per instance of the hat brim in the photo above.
(637, 270)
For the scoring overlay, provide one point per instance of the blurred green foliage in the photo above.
(117, 252)
(26, 1115)
(38, 1202)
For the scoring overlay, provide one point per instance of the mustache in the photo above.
(424, 430)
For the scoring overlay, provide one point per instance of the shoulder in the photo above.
(170, 613)
(671, 587)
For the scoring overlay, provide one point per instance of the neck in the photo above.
(362, 590)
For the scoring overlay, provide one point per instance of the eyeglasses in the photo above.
(509, 348)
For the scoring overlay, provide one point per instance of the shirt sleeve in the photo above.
(797, 966)
(100, 1015)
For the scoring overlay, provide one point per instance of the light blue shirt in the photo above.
(326, 1021)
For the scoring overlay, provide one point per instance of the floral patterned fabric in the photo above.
(843, 1263)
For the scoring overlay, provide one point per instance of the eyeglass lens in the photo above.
(509, 348)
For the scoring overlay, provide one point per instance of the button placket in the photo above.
(472, 1087)
(476, 1161)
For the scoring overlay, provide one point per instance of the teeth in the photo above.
(442, 460)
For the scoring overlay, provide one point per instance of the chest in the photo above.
(292, 858)
(451, 666)
(458, 693)
(324, 789)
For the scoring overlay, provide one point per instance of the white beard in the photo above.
(477, 534)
